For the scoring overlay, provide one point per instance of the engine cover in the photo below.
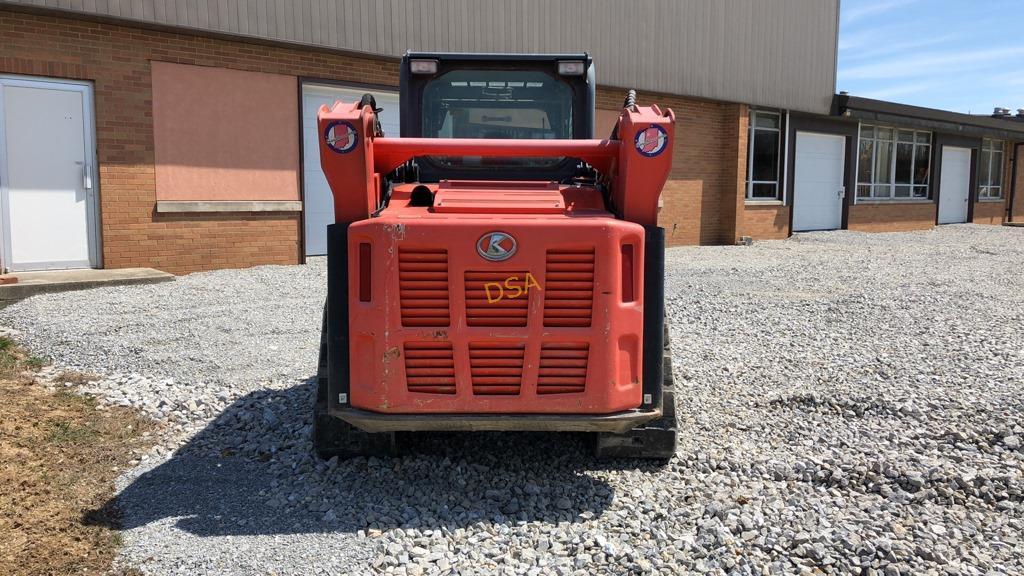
(471, 313)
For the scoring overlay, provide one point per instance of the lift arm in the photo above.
(637, 164)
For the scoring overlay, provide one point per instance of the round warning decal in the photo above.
(496, 246)
(341, 136)
(651, 141)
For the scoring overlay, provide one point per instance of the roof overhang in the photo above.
(878, 111)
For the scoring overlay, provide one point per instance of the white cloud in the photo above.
(867, 9)
(885, 47)
(940, 64)
(900, 90)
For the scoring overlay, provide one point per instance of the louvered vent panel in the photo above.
(496, 368)
(430, 367)
(423, 287)
(505, 307)
(563, 367)
(569, 288)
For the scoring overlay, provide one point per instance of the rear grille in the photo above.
(496, 368)
(430, 367)
(423, 287)
(505, 307)
(569, 288)
(563, 367)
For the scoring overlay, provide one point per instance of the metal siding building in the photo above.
(779, 54)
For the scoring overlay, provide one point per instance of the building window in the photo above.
(991, 170)
(893, 164)
(764, 147)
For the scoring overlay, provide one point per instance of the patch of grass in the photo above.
(67, 432)
(59, 457)
(14, 361)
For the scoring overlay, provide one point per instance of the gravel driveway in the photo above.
(849, 404)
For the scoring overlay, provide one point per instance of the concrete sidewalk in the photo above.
(32, 283)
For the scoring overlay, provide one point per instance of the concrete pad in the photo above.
(32, 283)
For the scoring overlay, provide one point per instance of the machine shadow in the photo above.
(252, 471)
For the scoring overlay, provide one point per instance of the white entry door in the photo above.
(318, 203)
(818, 189)
(47, 176)
(954, 185)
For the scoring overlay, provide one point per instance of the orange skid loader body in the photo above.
(470, 304)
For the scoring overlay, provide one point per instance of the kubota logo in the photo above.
(341, 136)
(651, 141)
(496, 246)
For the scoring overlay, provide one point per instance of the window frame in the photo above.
(892, 184)
(752, 128)
(991, 147)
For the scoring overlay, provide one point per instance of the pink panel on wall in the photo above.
(604, 122)
(224, 134)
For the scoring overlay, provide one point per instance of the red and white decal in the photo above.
(651, 141)
(341, 136)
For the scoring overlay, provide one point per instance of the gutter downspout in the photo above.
(1015, 163)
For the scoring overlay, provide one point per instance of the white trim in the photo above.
(785, 161)
(856, 166)
(89, 131)
(900, 200)
(751, 129)
(892, 163)
(181, 206)
(988, 147)
(764, 202)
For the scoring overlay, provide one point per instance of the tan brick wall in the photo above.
(989, 212)
(702, 184)
(762, 222)
(117, 60)
(892, 217)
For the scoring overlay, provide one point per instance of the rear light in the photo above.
(364, 272)
(571, 67)
(423, 66)
(627, 273)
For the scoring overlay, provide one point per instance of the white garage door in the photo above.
(954, 185)
(318, 203)
(818, 183)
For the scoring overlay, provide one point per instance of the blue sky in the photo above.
(961, 55)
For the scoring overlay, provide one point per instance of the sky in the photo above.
(959, 55)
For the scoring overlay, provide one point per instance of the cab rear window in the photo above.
(497, 104)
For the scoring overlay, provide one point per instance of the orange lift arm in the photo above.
(636, 165)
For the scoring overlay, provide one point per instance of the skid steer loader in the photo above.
(495, 267)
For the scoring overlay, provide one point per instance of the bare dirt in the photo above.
(59, 456)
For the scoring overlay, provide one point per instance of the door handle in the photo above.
(87, 176)
(842, 192)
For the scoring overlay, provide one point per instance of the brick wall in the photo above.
(702, 185)
(117, 60)
(894, 217)
(989, 212)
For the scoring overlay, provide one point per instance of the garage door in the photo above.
(318, 203)
(954, 185)
(818, 182)
(47, 179)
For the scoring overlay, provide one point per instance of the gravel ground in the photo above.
(849, 404)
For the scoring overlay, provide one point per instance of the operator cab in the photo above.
(497, 96)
